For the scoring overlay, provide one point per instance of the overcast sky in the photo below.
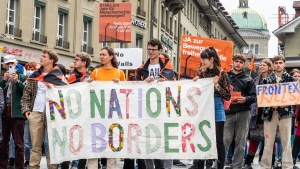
(269, 9)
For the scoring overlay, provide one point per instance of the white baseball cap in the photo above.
(9, 59)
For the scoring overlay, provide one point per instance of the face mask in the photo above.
(29, 73)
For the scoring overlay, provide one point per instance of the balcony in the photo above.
(39, 38)
(140, 12)
(62, 44)
(174, 5)
(11, 30)
(167, 30)
(163, 26)
(87, 49)
(154, 19)
(175, 38)
(171, 33)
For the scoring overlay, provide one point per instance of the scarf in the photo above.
(55, 76)
(76, 76)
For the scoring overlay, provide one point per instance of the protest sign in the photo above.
(158, 120)
(129, 58)
(280, 94)
(115, 22)
(192, 46)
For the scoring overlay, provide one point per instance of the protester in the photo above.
(81, 61)
(30, 68)
(212, 68)
(277, 116)
(13, 121)
(155, 69)
(256, 122)
(296, 147)
(1, 111)
(238, 116)
(34, 104)
(108, 72)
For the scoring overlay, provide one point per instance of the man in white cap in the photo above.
(13, 120)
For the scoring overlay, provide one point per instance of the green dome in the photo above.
(247, 18)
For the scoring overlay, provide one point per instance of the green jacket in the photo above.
(17, 93)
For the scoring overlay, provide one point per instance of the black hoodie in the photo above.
(244, 84)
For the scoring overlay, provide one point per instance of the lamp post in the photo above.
(117, 33)
(105, 32)
(125, 33)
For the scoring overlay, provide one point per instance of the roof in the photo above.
(247, 18)
(289, 27)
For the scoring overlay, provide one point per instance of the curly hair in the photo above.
(84, 58)
(111, 52)
(154, 42)
(30, 65)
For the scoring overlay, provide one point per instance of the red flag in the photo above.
(252, 66)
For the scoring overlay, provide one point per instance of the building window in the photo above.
(139, 4)
(256, 49)
(171, 25)
(245, 14)
(175, 27)
(190, 12)
(122, 45)
(37, 22)
(252, 47)
(139, 41)
(11, 10)
(86, 35)
(162, 17)
(61, 27)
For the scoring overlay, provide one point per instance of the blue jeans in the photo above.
(12, 153)
(27, 141)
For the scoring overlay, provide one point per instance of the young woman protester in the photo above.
(256, 122)
(295, 151)
(108, 71)
(212, 68)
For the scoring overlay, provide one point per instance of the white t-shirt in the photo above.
(154, 71)
(40, 99)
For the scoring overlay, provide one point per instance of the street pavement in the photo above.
(120, 164)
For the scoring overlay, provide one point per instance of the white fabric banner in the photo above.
(158, 120)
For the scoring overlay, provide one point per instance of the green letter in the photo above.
(167, 138)
(94, 100)
(78, 101)
(201, 124)
(158, 101)
(59, 141)
(157, 133)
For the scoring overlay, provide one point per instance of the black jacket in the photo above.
(166, 71)
(244, 84)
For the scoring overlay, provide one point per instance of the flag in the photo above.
(252, 66)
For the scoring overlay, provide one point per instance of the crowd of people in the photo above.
(23, 125)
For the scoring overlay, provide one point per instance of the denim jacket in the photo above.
(268, 111)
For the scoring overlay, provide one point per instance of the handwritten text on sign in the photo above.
(281, 94)
(169, 120)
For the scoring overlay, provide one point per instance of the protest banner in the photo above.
(280, 94)
(129, 58)
(115, 22)
(158, 120)
(192, 46)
